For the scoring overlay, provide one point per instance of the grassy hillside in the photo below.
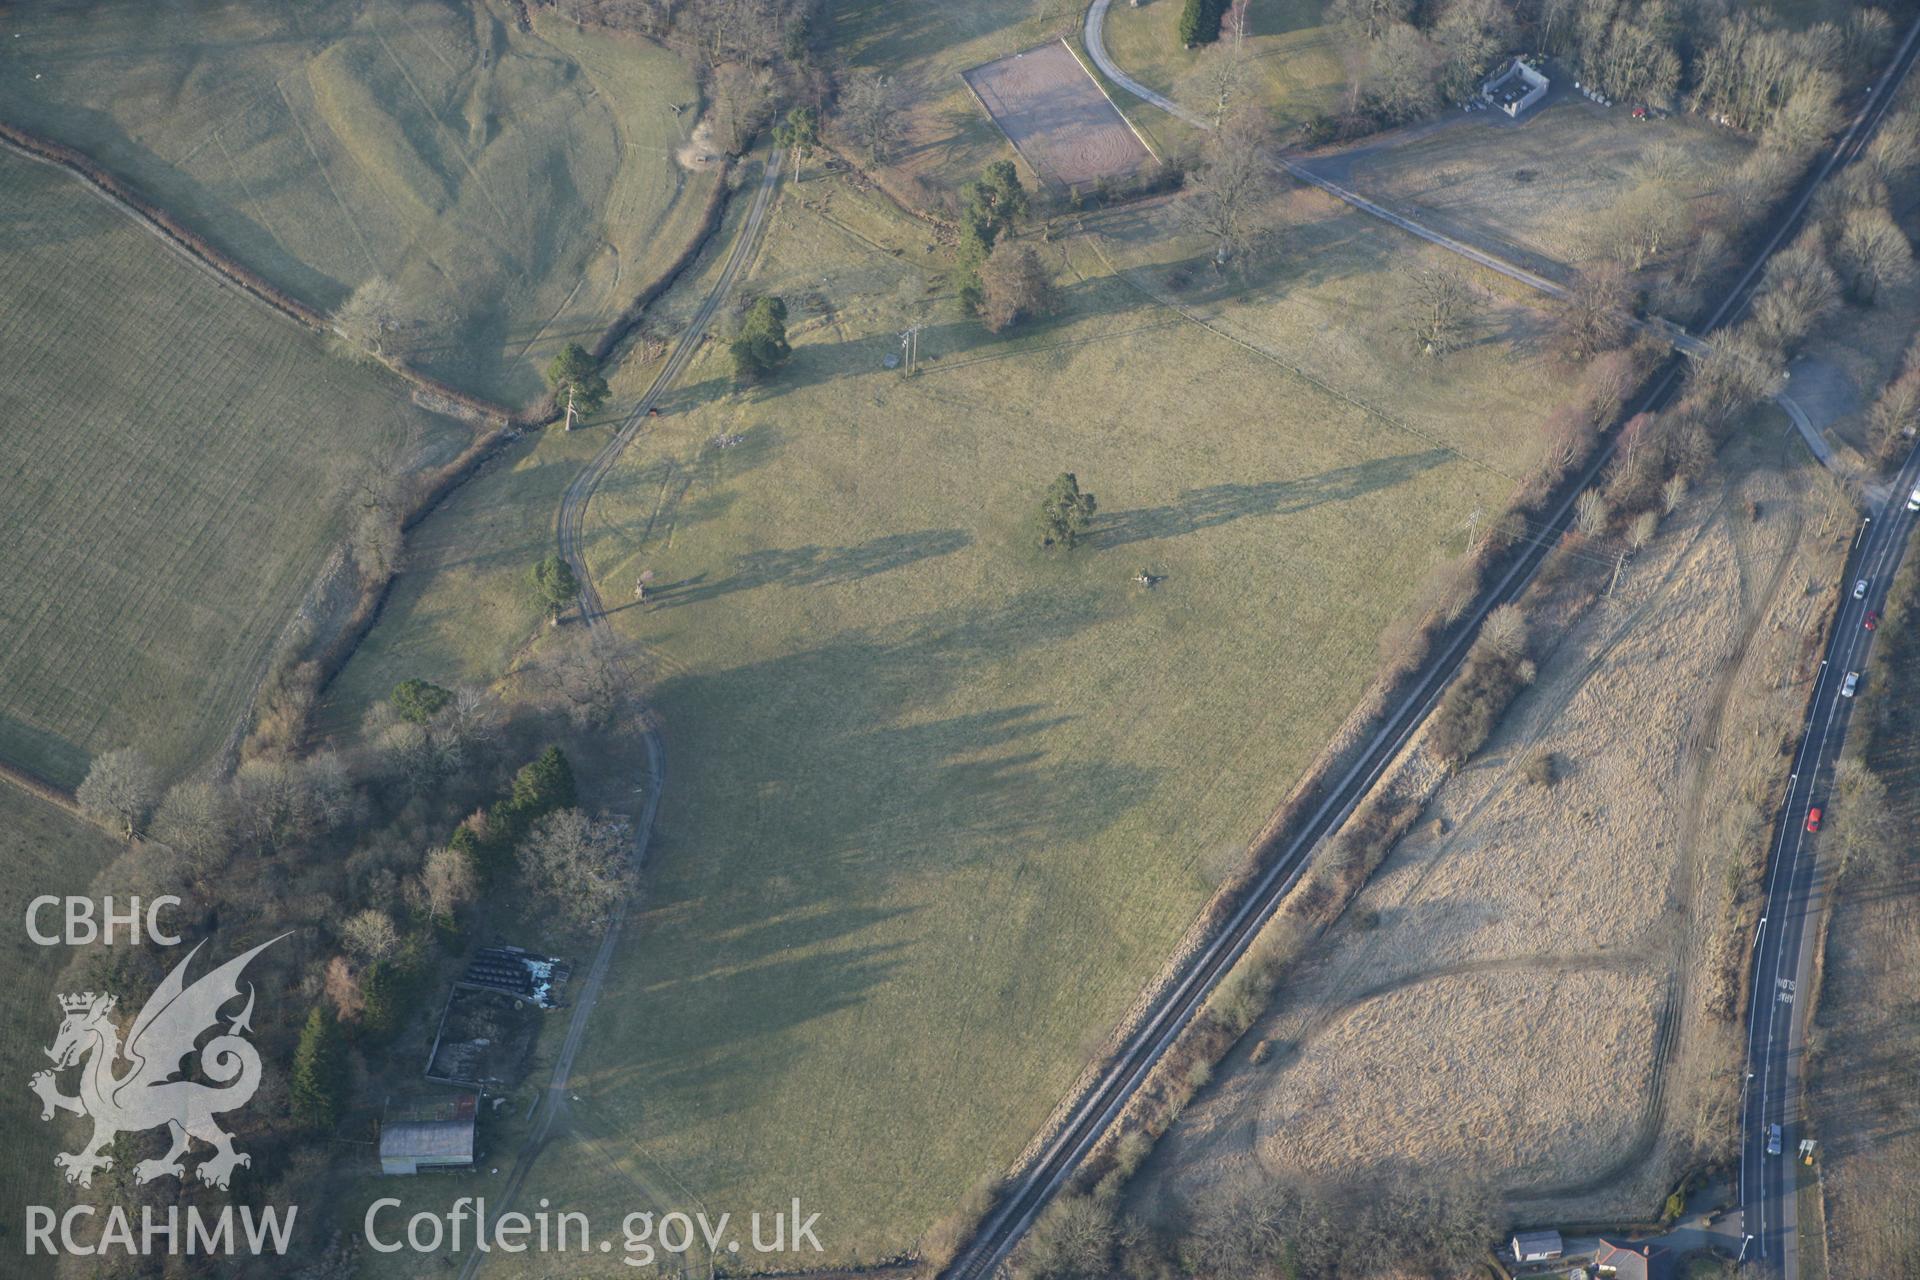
(938, 802)
(45, 852)
(517, 187)
(176, 456)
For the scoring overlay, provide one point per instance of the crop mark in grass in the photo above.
(246, 189)
(814, 566)
(321, 167)
(1215, 327)
(453, 143)
(1219, 504)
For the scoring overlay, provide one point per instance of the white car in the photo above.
(1860, 589)
(1851, 683)
(1913, 499)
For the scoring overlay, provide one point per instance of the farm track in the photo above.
(1087, 1120)
(593, 613)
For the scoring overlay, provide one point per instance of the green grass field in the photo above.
(1540, 193)
(518, 188)
(1297, 71)
(176, 456)
(45, 851)
(939, 803)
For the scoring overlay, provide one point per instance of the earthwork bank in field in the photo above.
(516, 187)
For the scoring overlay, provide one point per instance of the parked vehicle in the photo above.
(1913, 499)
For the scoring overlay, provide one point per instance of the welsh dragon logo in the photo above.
(147, 1094)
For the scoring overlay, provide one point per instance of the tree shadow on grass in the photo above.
(1219, 504)
(815, 566)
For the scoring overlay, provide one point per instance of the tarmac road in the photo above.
(1786, 944)
(1088, 1119)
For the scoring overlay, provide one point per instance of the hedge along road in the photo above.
(573, 510)
(1087, 1121)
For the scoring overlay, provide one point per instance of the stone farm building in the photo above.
(1516, 88)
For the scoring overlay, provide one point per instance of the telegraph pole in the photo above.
(569, 408)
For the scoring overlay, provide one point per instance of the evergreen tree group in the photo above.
(319, 1085)
(1200, 21)
(761, 345)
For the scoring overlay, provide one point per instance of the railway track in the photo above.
(1089, 1119)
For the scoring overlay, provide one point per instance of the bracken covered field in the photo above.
(1525, 991)
(177, 456)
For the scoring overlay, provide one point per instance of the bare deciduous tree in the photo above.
(1014, 285)
(1223, 69)
(342, 989)
(447, 882)
(871, 113)
(196, 820)
(1640, 532)
(370, 935)
(1401, 70)
(1895, 415)
(1643, 222)
(1737, 373)
(1673, 493)
(1505, 631)
(585, 677)
(1223, 198)
(1441, 311)
(581, 867)
(1471, 34)
(1873, 253)
(1362, 20)
(120, 788)
(1590, 514)
(1895, 146)
(375, 318)
(1596, 313)
(1800, 290)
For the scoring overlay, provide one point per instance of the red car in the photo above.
(1813, 819)
(1871, 620)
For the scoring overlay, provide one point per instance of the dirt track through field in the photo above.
(572, 520)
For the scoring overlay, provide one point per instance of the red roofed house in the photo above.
(1630, 1261)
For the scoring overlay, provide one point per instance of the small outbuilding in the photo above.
(1516, 88)
(429, 1133)
(1537, 1246)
